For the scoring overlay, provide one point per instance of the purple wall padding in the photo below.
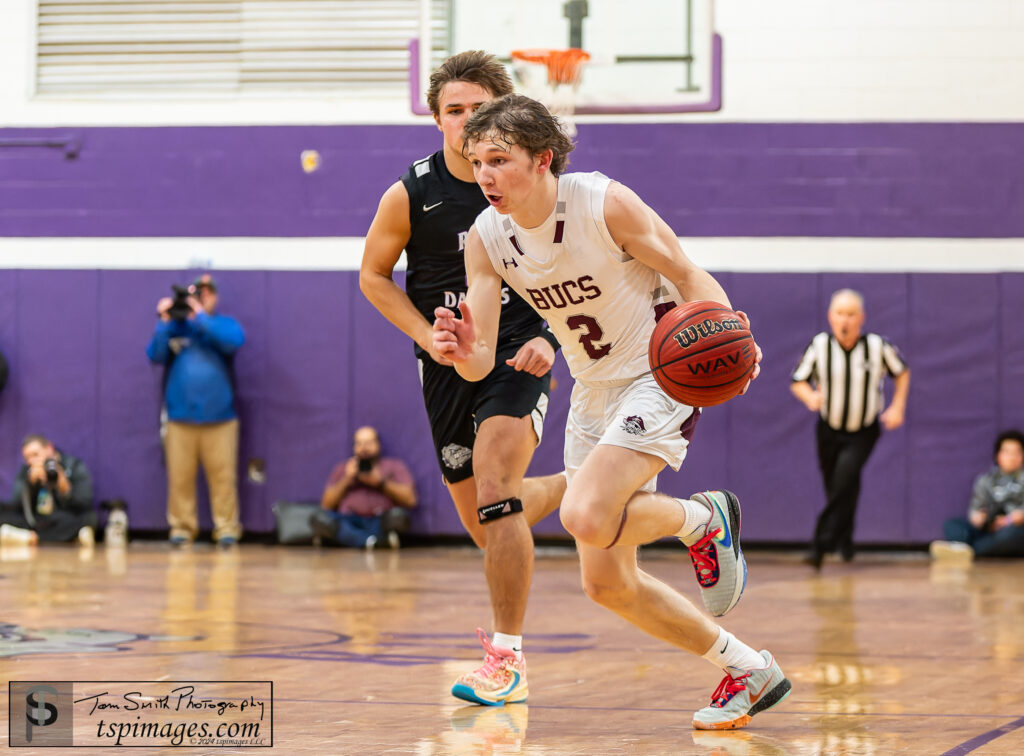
(705, 179)
(1010, 358)
(320, 361)
(958, 391)
(10, 422)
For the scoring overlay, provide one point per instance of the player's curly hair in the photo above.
(520, 120)
(474, 66)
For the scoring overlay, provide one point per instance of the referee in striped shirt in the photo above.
(840, 377)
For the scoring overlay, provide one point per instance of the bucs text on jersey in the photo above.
(600, 303)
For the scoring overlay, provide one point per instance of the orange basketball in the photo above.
(701, 354)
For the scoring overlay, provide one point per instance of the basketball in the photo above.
(701, 354)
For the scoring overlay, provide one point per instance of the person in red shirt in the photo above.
(366, 497)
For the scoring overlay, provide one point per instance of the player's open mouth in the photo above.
(494, 199)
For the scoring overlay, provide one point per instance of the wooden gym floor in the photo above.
(888, 655)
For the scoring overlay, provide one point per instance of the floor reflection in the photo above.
(738, 743)
(886, 655)
(487, 729)
(845, 686)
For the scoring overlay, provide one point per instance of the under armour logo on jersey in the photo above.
(510, 263)
(427, 209)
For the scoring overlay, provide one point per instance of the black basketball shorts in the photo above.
(456, 407)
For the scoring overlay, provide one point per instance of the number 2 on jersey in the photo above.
(590, 336)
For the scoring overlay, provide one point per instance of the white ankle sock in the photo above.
(733, 655)
(514, 642)
(696, 517)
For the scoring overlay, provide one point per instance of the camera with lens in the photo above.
(52, 471)
(180, 309)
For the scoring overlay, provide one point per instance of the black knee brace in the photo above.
(499, 509)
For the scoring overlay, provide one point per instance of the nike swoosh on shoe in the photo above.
(725, 537)
(512, 685)
(754, 699)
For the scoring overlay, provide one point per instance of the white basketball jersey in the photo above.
(598, 301)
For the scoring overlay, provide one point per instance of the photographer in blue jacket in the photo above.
(196, 346)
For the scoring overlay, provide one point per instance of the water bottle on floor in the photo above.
(116, 533)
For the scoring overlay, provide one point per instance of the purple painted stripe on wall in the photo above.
(707, 179)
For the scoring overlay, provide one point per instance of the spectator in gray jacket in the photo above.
(994, 525)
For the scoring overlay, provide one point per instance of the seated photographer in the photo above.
(366, 497)
(52, 497)
(196, 346)
(995, 520)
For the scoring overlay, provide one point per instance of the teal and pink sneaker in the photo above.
(716, 554)
(737, 699)
(500, 680)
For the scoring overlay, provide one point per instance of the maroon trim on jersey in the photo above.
(559, 227)
(661, 310)
(688, 427)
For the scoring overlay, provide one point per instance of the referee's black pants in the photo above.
(841, 456)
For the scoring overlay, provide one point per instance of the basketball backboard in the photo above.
(647, 56)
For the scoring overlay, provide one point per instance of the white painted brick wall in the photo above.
(786, 60)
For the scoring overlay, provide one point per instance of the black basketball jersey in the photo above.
(441, 210)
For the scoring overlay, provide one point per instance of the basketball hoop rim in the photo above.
(564, 66)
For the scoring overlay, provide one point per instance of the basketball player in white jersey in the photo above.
(590, 257)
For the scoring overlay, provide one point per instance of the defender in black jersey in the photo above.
(484, 433)
(441, 210)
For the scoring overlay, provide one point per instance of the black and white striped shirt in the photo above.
(850, 382)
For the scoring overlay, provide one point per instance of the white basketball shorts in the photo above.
(636, 416)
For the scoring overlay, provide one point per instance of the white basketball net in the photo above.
(559, 97)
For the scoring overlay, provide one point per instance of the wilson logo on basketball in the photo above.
(702, 354)
(697, 331)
